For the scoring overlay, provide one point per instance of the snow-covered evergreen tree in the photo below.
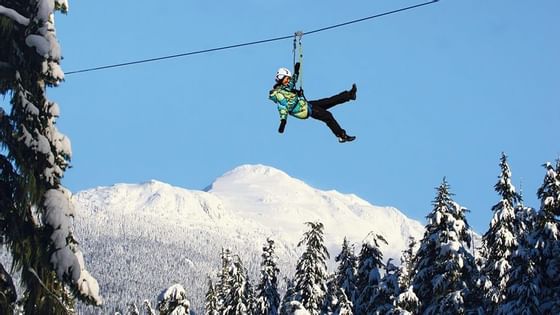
(370, 264)
(223, 286)
(132, 309)
(331, 296)
(249, 294)
(406, 302)
(546, 238)
(148, 308)
(524, 281)
(387, 291)
(500, 241)
(268, 299)
(406, 269)
(36, 214)
(173, 301)
(347, 270)
(211, 300)
(8, 294)
(446, 274)
(294, 308)
(238, 299)
(344, 305)
(311, 270)
(288, 297)
(522, 292)
(534, 284)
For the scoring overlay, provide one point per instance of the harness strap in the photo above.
(298, 46)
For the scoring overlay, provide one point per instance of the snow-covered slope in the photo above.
(143, 238)
(280, 204)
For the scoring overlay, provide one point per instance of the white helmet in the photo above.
(281, 73)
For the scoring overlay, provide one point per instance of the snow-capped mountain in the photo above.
(142, 238)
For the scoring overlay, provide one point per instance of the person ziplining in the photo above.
(291, 101)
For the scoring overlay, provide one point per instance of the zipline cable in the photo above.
(250, 43)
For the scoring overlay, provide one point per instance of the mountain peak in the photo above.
(250, 174)
(258, 170)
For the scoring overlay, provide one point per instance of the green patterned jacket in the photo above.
(288, 101)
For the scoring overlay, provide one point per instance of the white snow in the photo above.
(240, 210)
(62, 4)
(40, 43)
(66, 259)
(12, 14)
(178, 296)
(262, 200)
(175, 292)
(282, 204)
(45, 9)
(87, 285)
(44, 40)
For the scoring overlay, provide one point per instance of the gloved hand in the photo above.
(282, 126)
(299, 92)
(296, 67)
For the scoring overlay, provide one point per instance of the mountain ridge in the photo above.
(183, 231)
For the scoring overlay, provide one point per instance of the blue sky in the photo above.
(442, 91)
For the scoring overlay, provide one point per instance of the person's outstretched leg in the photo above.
(340, 98)
(325, 116)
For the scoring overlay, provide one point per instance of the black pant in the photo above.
(319, 110)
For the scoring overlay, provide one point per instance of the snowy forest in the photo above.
(514, 270)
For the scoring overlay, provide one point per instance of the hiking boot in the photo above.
(346, 138)
(353, 91)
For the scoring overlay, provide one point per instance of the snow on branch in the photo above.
(12, 14)
(61, 5)
(67, 259)
(44, 40)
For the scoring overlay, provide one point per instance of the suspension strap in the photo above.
(299, 48)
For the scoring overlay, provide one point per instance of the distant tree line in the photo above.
(515, 270)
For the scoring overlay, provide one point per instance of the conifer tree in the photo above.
(446, 274)
(268, 298)
(237, 301)
(388, 289)
(8, 294)
(347, 270)
(288, 297)
(311, 270)
(546, 237)
(211, 300)
(521, 295)
(173, 301)
(249, 294)
(370, 264)
(132, 309)
(148, 308)
(35, 210)
(223, 286)
(343, 304)
(522, 292)
(406, 302)
(500, 241)
(406, 269)
(331, 296)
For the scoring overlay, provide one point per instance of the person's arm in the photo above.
(282, 103)
(283, 111)
(282, 125)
